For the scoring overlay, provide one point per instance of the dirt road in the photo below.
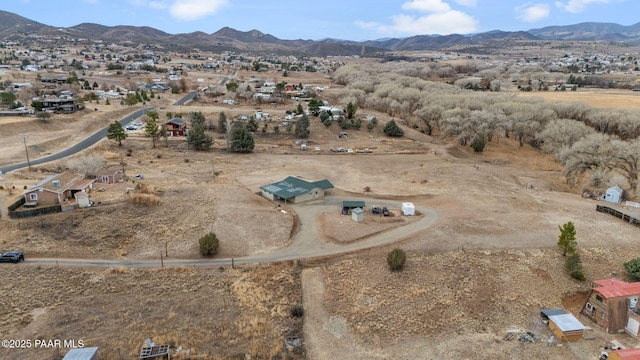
(306, 243)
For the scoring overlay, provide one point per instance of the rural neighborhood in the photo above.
(165, 201)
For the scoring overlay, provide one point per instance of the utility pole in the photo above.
(24, 140)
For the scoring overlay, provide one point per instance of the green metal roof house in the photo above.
(295, 190)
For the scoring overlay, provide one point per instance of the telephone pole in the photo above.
(26, 150)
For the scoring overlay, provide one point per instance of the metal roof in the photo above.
(293, 186)
(566, 322)
(552, 312)
(81, 354)
(353, 204)
(611, 288)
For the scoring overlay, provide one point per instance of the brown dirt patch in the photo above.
(212, 313)
(343, 229)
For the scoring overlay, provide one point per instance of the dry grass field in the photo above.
(599, 98)
(487, 265)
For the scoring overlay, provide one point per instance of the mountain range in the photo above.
(14, 27)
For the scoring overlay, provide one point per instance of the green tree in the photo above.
(314, 107)
(370, 126)
(633, 268)
(209, 244)
(567, 240)
(396, 259)
(392, 129)
(153, 131)
(153, 115)
(222, 123)
(37, 105)
(325, 115)
(351, 110)
(86, 85)
(299, 109)
(241, 140)
(302, 127)
(131, 99)
(7, 99)
(116, 132)
(573, 265)
(94, 86)
(252, 125)
(232, 86)
(107, 102)
(197, 138)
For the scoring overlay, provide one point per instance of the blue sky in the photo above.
(340, 19)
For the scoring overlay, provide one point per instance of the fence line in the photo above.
(632, 204)
(35, 212)
(631, 220)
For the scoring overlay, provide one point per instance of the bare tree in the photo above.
(591, 153)
(88, 164)
(627, 160)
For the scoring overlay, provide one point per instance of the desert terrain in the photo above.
(486, 261)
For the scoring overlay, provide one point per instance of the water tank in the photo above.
(633, 302)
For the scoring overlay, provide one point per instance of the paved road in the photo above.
(186, 98)
(305, 245)
(77, 147)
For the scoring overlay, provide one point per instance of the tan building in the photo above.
(613, 304)
(295, 190)
(57, 189)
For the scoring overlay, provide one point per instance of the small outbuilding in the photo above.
(624, 354)
(357, 214)
(566, 327)
(613, 194)
(88, 353)
(348, 206)
(408, 209)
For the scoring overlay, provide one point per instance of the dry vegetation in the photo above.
(217, 314)
(487, 265)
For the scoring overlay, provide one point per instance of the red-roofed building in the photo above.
(613, 304)
(625, 354)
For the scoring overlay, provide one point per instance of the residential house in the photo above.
(57, 189)
(109, 176)
(176, 127)
(61, 105)
(296, 190)
(613, 304)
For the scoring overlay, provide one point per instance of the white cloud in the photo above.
(532, 12)
(577, 6)
(158, 4)
(430, 6)
(469, 3)
(195, 9)
(440, 18)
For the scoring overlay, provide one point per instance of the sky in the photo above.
(338, 19)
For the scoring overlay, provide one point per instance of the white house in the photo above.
(408, 209)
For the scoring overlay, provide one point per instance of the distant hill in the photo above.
(16, 27)
(590, 31)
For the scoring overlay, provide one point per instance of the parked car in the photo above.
(139, 177)
(131, 127)
(385, 211)
(12, 256)
(350, 151)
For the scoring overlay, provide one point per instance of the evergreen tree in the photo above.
(302, 127)
(197, 138)
(153, 131)
(351, 110)
(567, 239)
(116, 132)
(392, 129)
(241, 140)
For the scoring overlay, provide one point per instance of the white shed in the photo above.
(357, 215)
(408, 209)
(613, 194)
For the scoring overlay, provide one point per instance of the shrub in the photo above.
(297, 311)
(144, 199)
(478, 144)
(633, 268)
(392, 129)
(209, 244)
(396, 259)
(573, 265)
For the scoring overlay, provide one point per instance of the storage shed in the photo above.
(357, 214)
(408, 209)
(347, 206)
(624, 354)
(88, 353)
(613, 194)
(566, 327)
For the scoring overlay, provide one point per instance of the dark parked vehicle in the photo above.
(12, 256)
(385, 211)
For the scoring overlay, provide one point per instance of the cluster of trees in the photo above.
(603, 145)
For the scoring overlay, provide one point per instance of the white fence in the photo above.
(632, 204)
